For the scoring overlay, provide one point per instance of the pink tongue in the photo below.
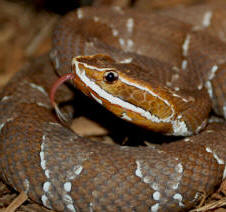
(53, 90)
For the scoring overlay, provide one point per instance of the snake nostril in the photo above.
(110, 76)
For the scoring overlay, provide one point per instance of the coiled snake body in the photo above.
(179, 67)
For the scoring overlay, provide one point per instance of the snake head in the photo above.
(125, 91)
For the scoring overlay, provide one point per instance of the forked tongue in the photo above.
(56, 85)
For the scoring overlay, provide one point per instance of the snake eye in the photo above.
(110, 76)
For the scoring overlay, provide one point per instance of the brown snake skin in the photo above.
(65, 172)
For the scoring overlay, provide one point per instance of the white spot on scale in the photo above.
(138, 170)
(5, 98)
(26, 185)
(219, 161)
(155, 186)
(179, 128)
(80, 13)
(129, 44)
(207, 19)
(90, 207)
(96, 19)
(200, 87)
(45, 201)
(184, 64)
(40, 104)
(212, 72)
(156, 195)
(69, 202)
(75, 172)
(176, 88)
(187, 139)
(130, 24)
(46, 186)
(203, 124)
(67, 186)
(118, 9)
(71, 207)
(209, 88)
(1, 126)
(42, 157)
(179, 168)
(224, 173)
(155, 207)
(115, 32)
(127, 60)
(122, 41)
(40, 88)
(178, 197)
(185, 46)
(224, 110)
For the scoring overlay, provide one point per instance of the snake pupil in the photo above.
(110, 77)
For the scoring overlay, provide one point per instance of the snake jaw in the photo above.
(89, 78)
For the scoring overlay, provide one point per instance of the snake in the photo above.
(153, 70)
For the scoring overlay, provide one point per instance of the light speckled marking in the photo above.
(200, 87)
(185, 45)
(42, 157)
(130, 25)
(127, 60)
(80, 13)
(40, 104)
(219, 160)
(224, 110)
(26, 185)
(178, 197)
(46, 186)
(96, 19)
(187, 139)
(184, 64)
(155, 207)
(118, 9)
(209, 88)
(39, 88)
(90, 207)
(207, 19)
(212, 72)
(75, 172)
(138, 171)
(156, 195)
(5, 98)
(122, 41)
(3, 124)
(179, 168)
(69, 202)
(115, 32)
(203, 124)
(45, 201)
(67, 186)
(224, 173)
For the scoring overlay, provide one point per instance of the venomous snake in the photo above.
(179, 67)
